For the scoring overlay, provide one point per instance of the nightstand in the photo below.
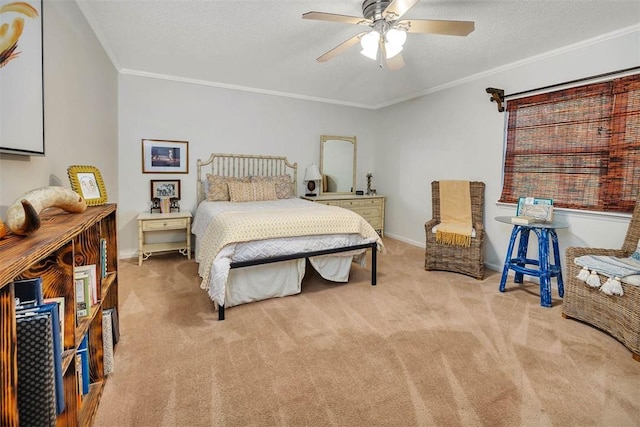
(370, 208)
(156, 222)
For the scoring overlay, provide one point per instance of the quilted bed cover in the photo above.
(230, 232)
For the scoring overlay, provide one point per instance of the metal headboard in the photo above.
(240, 165)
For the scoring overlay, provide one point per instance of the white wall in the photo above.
(80, 99)
(222, 121)
(450, 133)
(457, 133)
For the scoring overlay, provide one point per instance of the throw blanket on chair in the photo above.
(455, 214)
(615, 268)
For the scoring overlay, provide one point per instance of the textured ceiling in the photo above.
(265, 45)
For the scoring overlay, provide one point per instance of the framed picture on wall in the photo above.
(87, 182)
(165, 189)
(162, 156)
(21, 77)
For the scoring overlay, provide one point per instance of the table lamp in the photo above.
(311, 175)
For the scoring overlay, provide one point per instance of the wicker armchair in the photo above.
(458, 259)
(617, 315)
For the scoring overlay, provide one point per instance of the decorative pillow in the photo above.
(264, 191)
(282, 184)
(241, 191)
(218, 187)
(251, 191)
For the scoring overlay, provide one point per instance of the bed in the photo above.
(253, 235)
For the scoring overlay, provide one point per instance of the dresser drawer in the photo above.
(369, 214)
(330, 202)
(361, 203)
(164, 224)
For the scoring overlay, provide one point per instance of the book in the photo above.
(28, 292)
(107, 341)
(165, 205)
(523, 220)
(83, 298)
(539, 208)
(103, 257)
(35, 362)
(60, 302)
(53, 311)
(115, 327)
(79, 376)
(90, 270)
(83, 351)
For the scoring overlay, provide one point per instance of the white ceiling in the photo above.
(266, 46)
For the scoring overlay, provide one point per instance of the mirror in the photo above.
(338, 164)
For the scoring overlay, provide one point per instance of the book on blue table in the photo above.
(28, 292)
(540, 209)
(51, 310)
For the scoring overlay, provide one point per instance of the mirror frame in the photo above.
(352, 140)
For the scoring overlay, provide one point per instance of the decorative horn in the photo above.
(23, 216)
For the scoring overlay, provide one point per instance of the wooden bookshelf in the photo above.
(63, 242)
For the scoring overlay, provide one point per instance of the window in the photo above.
(578, 146)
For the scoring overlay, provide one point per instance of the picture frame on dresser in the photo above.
(87, 181)
(165, 156)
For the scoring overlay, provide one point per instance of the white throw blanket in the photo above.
(615, 268)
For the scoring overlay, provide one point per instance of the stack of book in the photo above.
(39, 330)
(87, 289)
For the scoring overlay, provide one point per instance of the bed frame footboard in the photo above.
(374, 262)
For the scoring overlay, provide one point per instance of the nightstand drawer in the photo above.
(164, 224)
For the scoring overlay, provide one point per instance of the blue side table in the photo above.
(543, 269)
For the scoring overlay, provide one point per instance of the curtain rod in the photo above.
(498, 96)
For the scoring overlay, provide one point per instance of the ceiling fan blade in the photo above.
(395, 63)
(340, 48)
(431, 26)
(397, 8)
(332, 17)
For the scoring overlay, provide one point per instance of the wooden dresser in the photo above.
(370, 208)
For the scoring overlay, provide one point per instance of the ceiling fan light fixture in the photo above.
(394, 42)
(369, 43)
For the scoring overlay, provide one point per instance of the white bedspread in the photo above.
(219, 272)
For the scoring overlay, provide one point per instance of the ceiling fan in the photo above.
(388, 32)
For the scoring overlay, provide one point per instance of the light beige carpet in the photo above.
(419, 349)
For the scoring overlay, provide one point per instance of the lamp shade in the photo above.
(369, 43)
(312, 173)
(394, 41)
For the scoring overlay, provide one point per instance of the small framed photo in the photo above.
(165, 189)
(159, 156)
(87, 181)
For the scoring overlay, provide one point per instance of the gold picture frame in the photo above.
(87, 182)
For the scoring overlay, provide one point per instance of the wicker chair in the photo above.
(617, 315)
(458, 259)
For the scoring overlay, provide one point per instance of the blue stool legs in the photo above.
(545, 270)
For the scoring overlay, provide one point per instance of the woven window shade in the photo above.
(578, 146)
